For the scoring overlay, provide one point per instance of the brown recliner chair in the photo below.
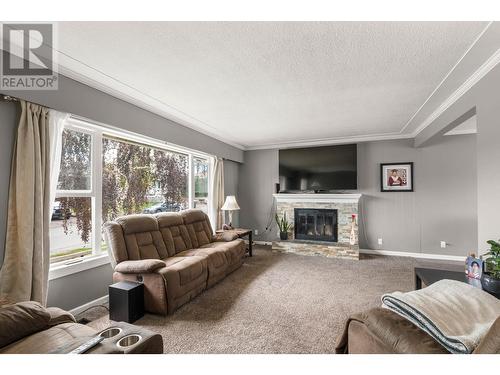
(175, 255)
(382, 331)
(29, 328)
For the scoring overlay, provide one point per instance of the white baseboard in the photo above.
(457, 258)
(413, 255)
(96, 302)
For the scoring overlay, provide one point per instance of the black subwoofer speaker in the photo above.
(126, 301)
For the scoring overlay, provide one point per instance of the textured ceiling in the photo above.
(266, 83)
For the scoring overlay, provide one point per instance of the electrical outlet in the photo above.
(443, 244)
(380, 241)
(256, 232)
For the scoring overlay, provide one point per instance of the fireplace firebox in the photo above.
(315, 224)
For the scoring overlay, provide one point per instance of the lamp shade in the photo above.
(230, 204)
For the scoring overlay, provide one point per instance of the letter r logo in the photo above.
(27, 49)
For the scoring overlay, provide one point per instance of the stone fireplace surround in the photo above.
(345, 204)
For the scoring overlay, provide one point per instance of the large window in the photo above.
(105, 174)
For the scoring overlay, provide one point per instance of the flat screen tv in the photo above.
(318, 169)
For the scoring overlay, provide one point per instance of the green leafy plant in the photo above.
(493, 259)
(283, 224)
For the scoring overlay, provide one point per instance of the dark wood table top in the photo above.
(431, 275)
(239, 231)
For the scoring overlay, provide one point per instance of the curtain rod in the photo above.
(10, 98)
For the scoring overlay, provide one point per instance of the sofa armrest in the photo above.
(139, 266)
(59, 316)
(225, 237)
(490, 344)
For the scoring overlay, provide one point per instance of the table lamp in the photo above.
(230, 205)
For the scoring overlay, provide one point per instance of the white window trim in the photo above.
(61, 269)
(97, 131)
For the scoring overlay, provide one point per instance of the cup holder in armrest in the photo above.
(110, 332)
(128, 341)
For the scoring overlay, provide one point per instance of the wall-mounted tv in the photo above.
(318, 169)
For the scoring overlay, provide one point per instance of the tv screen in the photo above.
(318, 169)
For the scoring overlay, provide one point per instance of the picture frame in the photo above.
(396, 177)
(473, 267)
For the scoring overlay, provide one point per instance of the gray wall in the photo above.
(8, 125)
(484, 98)
(79, 288)
(76, 98)
(231, 184)
(443, 206)
(258, 175)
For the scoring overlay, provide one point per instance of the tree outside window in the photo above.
(104, 177)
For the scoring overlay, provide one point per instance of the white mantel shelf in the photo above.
(318, 198)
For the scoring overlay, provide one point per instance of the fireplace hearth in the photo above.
(315, 224)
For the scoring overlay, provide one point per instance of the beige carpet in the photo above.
(279, 303)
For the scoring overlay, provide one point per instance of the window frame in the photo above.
(98, 131)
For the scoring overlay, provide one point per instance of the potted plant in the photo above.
(284, 226)
(490, 280)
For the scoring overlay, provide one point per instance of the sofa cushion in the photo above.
(174, 232)
(217, 262)
(20, 320)
(198, 227)
(59, 316)
(225, 236)
(117, 248)
(143, 239)
(234, 251)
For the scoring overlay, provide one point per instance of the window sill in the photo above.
(58, 270)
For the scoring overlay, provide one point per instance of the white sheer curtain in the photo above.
(216, 192)
(56, 127)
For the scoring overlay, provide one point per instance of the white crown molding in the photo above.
(461, 132)
(413, 255)
(446, 76)
(331, 141)
(484, 69)
(91, 77)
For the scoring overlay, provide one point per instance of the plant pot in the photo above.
(490, 284)
(283, 236)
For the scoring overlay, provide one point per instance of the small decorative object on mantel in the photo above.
(284, 226)
(490, 280)
(396, 177)
(352, 237)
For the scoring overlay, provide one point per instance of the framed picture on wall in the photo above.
(396, 177)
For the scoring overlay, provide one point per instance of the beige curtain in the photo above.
(24, 273)
(216, 192)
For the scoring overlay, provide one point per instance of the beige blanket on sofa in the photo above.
(455, 314)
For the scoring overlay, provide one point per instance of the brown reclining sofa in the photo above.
(175, 255)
